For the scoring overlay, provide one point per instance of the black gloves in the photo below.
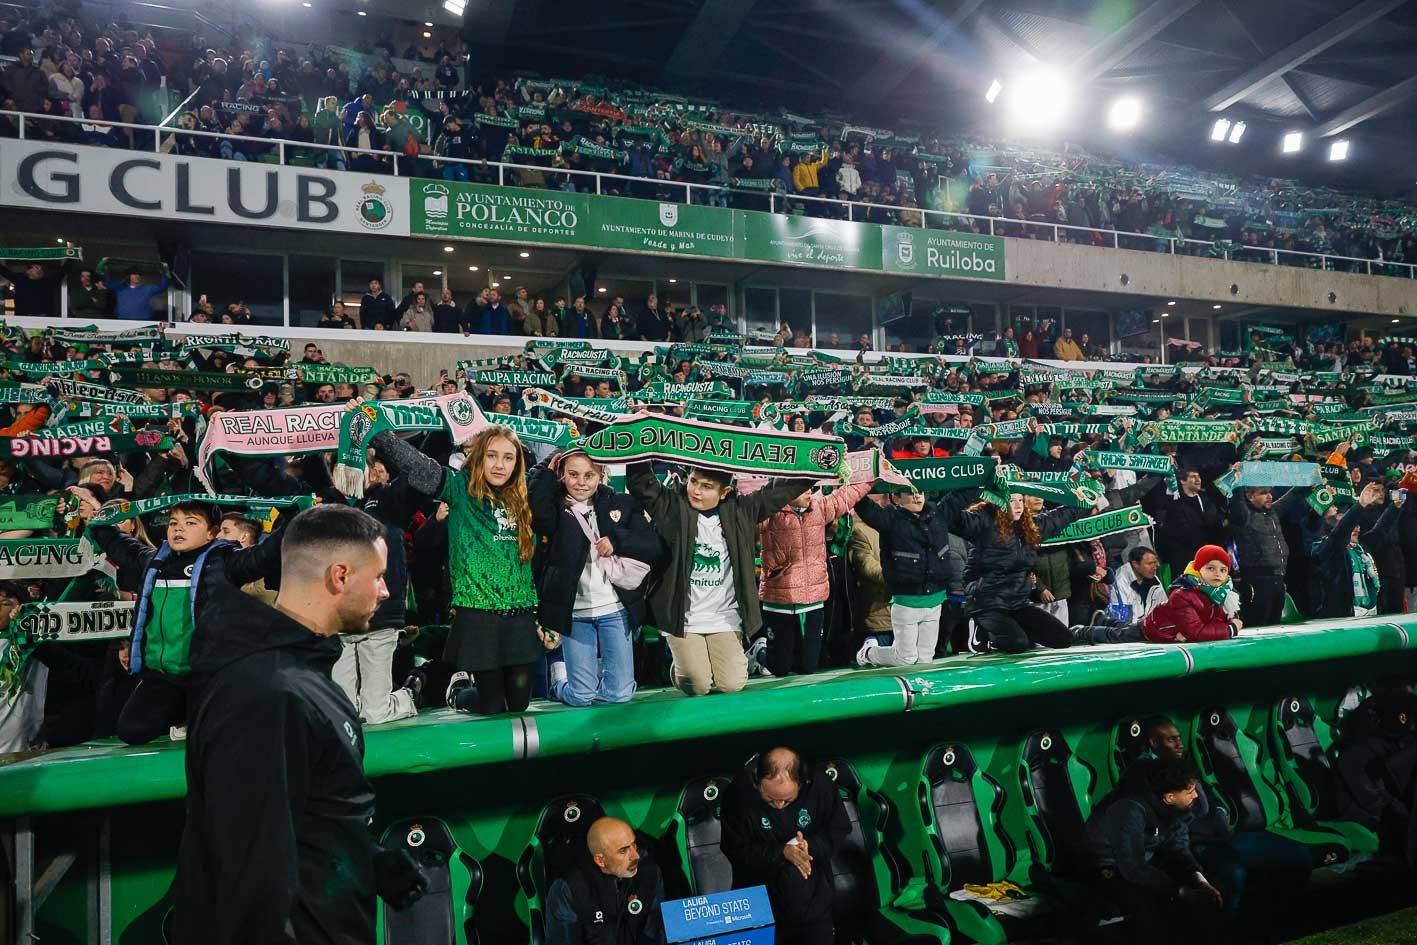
(398, 879)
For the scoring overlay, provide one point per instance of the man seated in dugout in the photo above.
(611, 897)
(781, 824)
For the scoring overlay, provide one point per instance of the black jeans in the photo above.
(1016, 631)
(794, 642)
(1261, 599)
(157, 704)
(954, 630)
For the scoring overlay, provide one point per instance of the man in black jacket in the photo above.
(276, 846)
(651, 325)
(1138, 853)
(377, 307)
(1263, 552)
(780, 829)
(1188, 521)
(612, 898)
(37, 292)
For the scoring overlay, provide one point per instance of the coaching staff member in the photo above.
(276, 847)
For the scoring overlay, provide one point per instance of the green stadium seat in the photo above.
(1301, 741)
(1241, 771)
(444, 916)
(696, 832)
(557, 844)
(1057, 803)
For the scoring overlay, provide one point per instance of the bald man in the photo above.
(780, 828)
(612, 897)
(276, 846)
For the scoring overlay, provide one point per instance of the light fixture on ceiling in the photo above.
(524, 255)
(455, 7)
(601, 289)
(361, 12)
(1396, 320)
(437, 272)
(995, 88)
(1216, 307)
(471, 268)
(1124, 114)
(1338, 151)
(1038, 100)
(1172, 302)
(427, 35)
(428, 23)
(1165, 314)
(1293, 142)
(1237, 131)
(447, 249)
(496, 285)
(1156, 321)
(59, 240)
(1220, 129)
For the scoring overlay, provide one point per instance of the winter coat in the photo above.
(915, 549)
(1188, 616)
(1053, 573)
(667, 590)
(1066, 349)
(1334, 585)
(794, 547)
(589, 907)
(562, 546)
(1000, 569)
(1126, 595)
(1130, 829)
(37, 296)
(276, 791)
(863, 553)
(1187, 524)
(1259, 534)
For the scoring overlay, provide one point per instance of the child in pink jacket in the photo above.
(794, 585)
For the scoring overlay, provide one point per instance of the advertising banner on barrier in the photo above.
(48, 176)
(807, 241)
(449, 208)
(941, 253)
(654, 227)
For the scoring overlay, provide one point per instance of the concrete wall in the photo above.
(1065, 265)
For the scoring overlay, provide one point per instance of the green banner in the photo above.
(938, 253)
(449, 208)
(335, 374)
(186, 380)
(808, 241)
(942, 475)
(651, 227)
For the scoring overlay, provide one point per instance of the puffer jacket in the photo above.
(1000, 570)
(863, 551)
(1260, 545)
(1188, 616)
(915, 549)
(794, 547)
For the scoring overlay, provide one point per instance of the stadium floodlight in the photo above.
(1216, 306)
(1237, 131)
(1220, 129)
(1037, 100)
(524, 255)
(995, 88)
(1124, 114)
(1338, 151)
(455, 7)
(1293, 142)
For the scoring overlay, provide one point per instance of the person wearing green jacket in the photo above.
(328, 129)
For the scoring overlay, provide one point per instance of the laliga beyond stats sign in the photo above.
(736, 917)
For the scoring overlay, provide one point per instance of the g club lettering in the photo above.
(314, 202)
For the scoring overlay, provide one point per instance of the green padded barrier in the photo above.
(1317, 641)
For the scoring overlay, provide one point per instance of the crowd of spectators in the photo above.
(428, 121)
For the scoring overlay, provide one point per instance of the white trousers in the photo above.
(916, 631)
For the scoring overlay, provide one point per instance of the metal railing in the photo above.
(507, 174)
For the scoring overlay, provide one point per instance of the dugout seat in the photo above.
(960, 807)
(1057, 804)
(697, 833)
(1128, 746)
(556, 846)
(1301, 742)
(444, 916)
(1242, 773)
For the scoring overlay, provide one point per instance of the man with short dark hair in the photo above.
(376, 307)
(1189, 520)
(611, 897)
(1136, 590)
(1138, 854)
(781, 824)
(276, 844)
(1262, 552)
(36, 292)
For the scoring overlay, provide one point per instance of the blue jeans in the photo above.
(600, 661)
(456, 172)
(1254, 855)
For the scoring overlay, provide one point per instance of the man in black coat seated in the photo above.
(780, 828)
(612, 897)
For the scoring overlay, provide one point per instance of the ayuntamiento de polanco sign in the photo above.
(477, 211)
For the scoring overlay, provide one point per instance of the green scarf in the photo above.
(143, 411)
(941, 475)
(62, 387)
(1194, 582)
(357, 429)
(515, 378)
(1102, 525)
(662, 392)
(247, 345)
(63, 447)
(1365, 578)
(89, 334)
(335, 374)
(259, 507)
(535, 397)
(735, 450)
(188, 380)
(27, 512)
(727, 411)
(41, 253)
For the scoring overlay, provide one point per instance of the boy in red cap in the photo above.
(1195, 610)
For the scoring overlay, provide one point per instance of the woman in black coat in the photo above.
(595, 547)
(999, 583)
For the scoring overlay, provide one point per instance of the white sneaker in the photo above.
(178, 733)
(756, 649)
(457, 684)
(861, 653)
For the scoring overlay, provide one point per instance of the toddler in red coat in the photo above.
(1195, 610)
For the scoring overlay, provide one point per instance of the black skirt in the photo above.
(484, 639)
